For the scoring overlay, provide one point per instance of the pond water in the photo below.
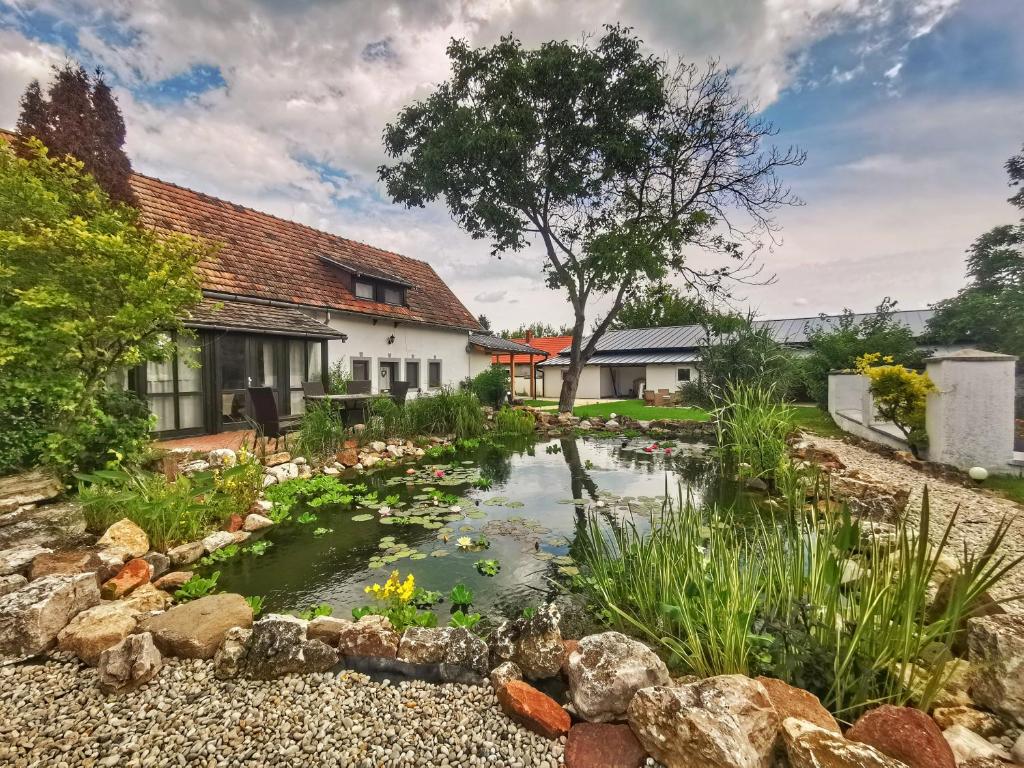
(529, 517)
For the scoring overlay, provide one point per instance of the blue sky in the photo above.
(907, 109)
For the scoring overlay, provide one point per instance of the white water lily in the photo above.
(384, 510)
(465, 542)
(455, 508)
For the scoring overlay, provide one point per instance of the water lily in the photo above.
(384, 510)
(648, 449)
(455, 508)
(464, 542)
(410, 471)
(438, 473)
(668, 451)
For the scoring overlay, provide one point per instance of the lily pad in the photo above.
(439, 553)
(418, 556)
(361, 518)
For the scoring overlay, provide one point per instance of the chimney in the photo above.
(529, 336)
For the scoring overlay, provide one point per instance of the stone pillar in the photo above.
(847, 391)
(969, 418)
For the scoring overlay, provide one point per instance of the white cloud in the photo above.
(21, 61)
(490, 297)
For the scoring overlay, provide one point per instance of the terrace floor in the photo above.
(205, 443)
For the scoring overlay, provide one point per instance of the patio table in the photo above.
(351, 404)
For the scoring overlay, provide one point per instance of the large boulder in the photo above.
(721, 722)
(70, 561)
(443, 645)
(968, 746)
(148, 598)
(505, 673)
(370, 636)
(186, 554)
(18, 559)
(94, 630)
(276, 646)
(796, 702)
(133, 574)
(869, 498)
(173, 581)
(56, 526)
(29, 487)
(605, 671)
(11, 583)
(31, 617)
(533, 710)
(131, 663)
(256, 522)
(327, 629)
(905, 734)
(534, 644)
(603, 745)
(972, 719)
(808, 746)
(125, 536)
(996, 652)
(195, 630)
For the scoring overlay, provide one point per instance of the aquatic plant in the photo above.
(220, 555)
(323, 609)
(259, 547)
(319, 491)
(446, 412)
(818, 600)
(322, 531)
(752, 428)
(511, 421)
(306, 518)
(487, 567)
(397, 600)
(255, 603)
(321, 432)
(464, 620)
(425, 598)
(483, 483)
(197, 587)
(461, 595)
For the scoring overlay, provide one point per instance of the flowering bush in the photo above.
(899, 394)
(395, 601)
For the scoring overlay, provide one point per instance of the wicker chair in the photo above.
(267, 420)
(398, 391)
(358, 387)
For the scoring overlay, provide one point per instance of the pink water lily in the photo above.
(438, 473)
(668, 451)
(384, 511)
(648, 449)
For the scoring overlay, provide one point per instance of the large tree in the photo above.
(79, 116)
(659, 306)
(989, 311)
(611, 160)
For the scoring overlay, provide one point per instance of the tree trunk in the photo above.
(570, 382)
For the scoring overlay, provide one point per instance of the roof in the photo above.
(631, 358)
(551, 345)
(787, 331)
(496, 343)
(262, 318)
(266, 257)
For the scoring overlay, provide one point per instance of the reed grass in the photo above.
(509, 421)
(752, 425)
(446, 412)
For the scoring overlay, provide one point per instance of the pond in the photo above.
(527, 518)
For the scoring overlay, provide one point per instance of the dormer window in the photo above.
(364, 290)
(392, 295)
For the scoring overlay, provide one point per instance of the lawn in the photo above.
(540, 403)
(1011, 486)
(813, 419)
(637, 410)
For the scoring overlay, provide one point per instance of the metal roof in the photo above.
(786, 331)
(498, 344)
(632, 358)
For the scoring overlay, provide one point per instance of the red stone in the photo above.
(796, 702)
(348, 457)
(904, 734)
(350, 443)
(533, 709)
(603, 745)
(235, 523)
(134, 574)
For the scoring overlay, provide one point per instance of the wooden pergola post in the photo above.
(533, 379)
(511, 376)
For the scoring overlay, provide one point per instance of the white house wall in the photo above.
(369, 341)
(664, 376)
(617, 381)
(589, 385)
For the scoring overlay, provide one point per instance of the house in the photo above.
(282, 302)
(525, 366)
(626, 363)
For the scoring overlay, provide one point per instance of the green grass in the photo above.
(812, 419)
(1011, 486)
(637, 410)
(540, 403)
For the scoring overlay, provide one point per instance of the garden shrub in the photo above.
(511, 421)
(745, 355)
(752, 429)
(85, 291)
(322, 431)
(338, 377)
(446, 412)
(491, 386)
(899, 395)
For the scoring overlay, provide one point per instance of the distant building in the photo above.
(527, 365)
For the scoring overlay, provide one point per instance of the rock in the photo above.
(186, 554)
(148, 598)
(972, 719)
(822, 457)
(131, 663)
(73, 561)
(18, 559)
(568, 647)
(610, 424)
(504, 673)
(94, 630)
(905, 734)
(54, 526)
(222, 457)
(29, 487)
(278, 646)
(31, 617)
(230, 657)
(173, 581)
(269, 480)
(996, 651)
(235, 523)
(331, 471)
(796, 702)
(256, 522)
(261, 507)
(533, 710)
(606, 670)
(11, 583)
(534, 644)
(217, 540)
(959, 675)
(866, 497)
(808, 746)
(722, 722)
(125, 536)
(443, 645)
(284, 472)
(967, 745)
(370, 636)
(134, 574)
(378, 447)
(159, 563)
(756, 484)
(327, 629)
(396, 451)
(603, 745)
(368, 461)
(1017, 753)
(240, 536)
(196, 629)
(275, 459)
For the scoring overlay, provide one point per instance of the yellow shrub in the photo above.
(899, 394)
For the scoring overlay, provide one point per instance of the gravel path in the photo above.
(980, 512)
(53, 715)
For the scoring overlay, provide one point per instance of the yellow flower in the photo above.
(465, 542)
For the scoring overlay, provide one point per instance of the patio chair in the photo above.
(313, 389)
(266, 418)
(398, 391)
(358, 387)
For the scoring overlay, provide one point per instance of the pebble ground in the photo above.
(53, 715)
(980, 511)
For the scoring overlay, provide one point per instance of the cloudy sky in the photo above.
(907, 110)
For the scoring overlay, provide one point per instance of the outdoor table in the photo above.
(351, 404)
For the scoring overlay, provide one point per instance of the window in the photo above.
(412, 373)
(434, 374)
(174, 388)
(393, 296)
(360, 370)
(364, 290)
(304, 364)
(682, 374)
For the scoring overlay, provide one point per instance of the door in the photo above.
(388, 374)
(243, 362)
